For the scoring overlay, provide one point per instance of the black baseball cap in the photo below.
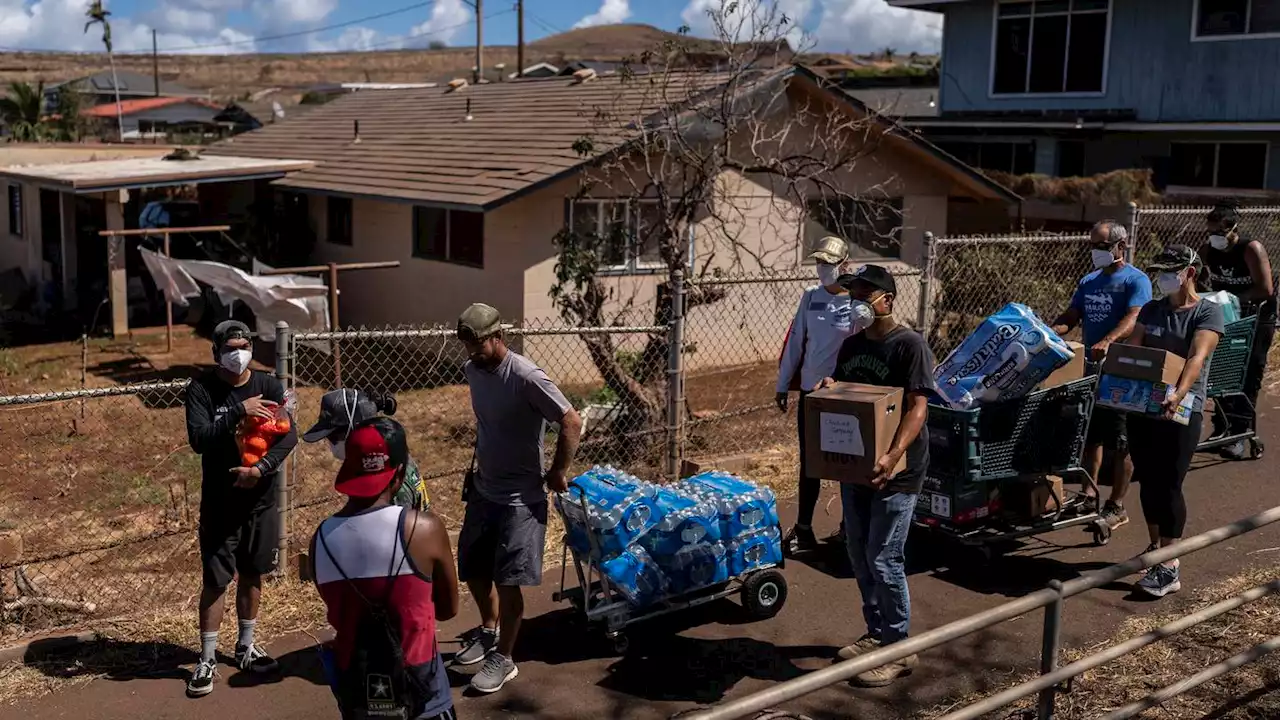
(874, 275)
(229, 330)
(341, 410)
(1175, 258)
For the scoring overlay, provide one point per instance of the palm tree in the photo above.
(98, 14)
(889, 53)
(21, 110)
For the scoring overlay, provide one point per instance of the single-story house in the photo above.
(158, 117)
(99, 88)
(467, 187)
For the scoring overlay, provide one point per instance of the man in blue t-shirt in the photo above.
(1105, 306)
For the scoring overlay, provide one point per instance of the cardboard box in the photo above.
(1043, 496)
(848, 427)
(1142, 396)
(1143, 363)
(957, 502)
(1073, 370)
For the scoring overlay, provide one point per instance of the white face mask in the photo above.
(339, 449)
(861, 315)
(1103, 258)
(235, 361)
(1218, 242)
(828, 274)
(1169, 283)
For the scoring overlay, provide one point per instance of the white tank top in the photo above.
(368, 545)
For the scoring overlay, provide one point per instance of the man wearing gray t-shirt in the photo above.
(503, 532)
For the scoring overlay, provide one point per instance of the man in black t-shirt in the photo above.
(877, 518)
(239, 513)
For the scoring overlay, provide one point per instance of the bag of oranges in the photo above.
(256, 435)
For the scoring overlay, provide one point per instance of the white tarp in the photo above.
(300, 301)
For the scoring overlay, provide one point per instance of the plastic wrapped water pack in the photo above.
(1230, 304)
(620, 509)
(1005, 358)
(685, 520)
(635, 574)
(754, 550)
(696, 566)
(742, 506)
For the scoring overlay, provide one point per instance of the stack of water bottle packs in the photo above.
(655, 541)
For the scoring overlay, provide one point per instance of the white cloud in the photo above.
(279, 14)
(358, 38)
(57, 25)
(748, 20)
(871, 25)
(447, 18)
(610, 12)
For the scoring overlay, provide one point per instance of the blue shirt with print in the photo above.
(1103, 300)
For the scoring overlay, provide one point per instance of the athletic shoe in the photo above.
(1235, 451)
(498, 669)
(799, 540)
(1114, 515)
(861, 646)
(1160, 580)
(476, 645)
(885, 674)
(253, 659)
(201, 682)
(837, 537)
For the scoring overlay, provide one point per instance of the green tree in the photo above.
(98, 16)
(21, 110)
(67, 123)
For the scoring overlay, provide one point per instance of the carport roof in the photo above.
(105, 175)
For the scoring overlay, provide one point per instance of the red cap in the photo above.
(369, 467)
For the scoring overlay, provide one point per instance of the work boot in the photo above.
(885, 674)
(863, 645)
(799, 540)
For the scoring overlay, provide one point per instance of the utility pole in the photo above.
(519, 38)
(479, 40)
(155, 61)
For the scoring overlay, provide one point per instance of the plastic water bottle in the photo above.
(754, 551)
(636, 576)
(696, 566)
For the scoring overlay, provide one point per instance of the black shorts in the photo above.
(1109, 429)
(502, 543)
(248, 542)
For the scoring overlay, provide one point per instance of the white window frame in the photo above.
(1106, 55)
(1217, 154)
(632, 264)
(1246, 35)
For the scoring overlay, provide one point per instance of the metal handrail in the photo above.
(1050, 598)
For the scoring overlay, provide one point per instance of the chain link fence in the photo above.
(1160, 226)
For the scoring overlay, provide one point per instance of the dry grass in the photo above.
(1113, 188)
(1251, 692)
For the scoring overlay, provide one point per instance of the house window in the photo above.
(1050, 46)
(1241, 166)
(455, 236)
(1017, 158)
(629, 231)
(339, 227)
(1236, 18)
(873, 225)
(15, 210)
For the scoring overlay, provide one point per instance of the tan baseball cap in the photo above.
(831, 250)
(479, 321)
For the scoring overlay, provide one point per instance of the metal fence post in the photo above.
(926, 284)
(282, 477)
(675, 374)
(1049, 649)
(1131, 225)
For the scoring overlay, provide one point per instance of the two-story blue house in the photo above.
(1189, 88)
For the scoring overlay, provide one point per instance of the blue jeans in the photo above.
(875, 530)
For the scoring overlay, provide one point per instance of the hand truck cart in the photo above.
(761, 590)
(975, 453)
(1227, 369)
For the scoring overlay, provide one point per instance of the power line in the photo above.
(543, 23)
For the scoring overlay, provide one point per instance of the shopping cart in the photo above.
(978, 456)
(1227, 369)
(762, 590)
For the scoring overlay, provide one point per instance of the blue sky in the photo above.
(225, 26)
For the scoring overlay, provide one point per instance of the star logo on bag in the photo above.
(379, 687)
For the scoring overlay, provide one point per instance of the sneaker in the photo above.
(201, 682)
(253, 659)
(498, 669)
(837, 537)
(476, 645)
(800, 540)
(885, 674)
(1114, 515)
(1235, 451)
(861, 646)
(1160, 580)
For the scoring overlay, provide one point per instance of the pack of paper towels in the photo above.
(1005, 358)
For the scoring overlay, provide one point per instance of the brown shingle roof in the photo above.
(418, 145)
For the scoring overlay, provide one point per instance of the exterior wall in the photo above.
(172, 115)
(1154, 69)
(22, 252)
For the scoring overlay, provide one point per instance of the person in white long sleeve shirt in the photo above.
(822, 322)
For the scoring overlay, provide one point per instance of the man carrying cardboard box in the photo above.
(1184, 324)
(877, 514)
(1105, 306)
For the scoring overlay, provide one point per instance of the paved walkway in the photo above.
(714, 653)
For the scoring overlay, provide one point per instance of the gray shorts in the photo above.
(502, 543)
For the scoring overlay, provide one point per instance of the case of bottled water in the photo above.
(619, 511)
(696, 566)
(742, 506)
(635, 574)
(685, 521)
(754, 550)
(1009, 354)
